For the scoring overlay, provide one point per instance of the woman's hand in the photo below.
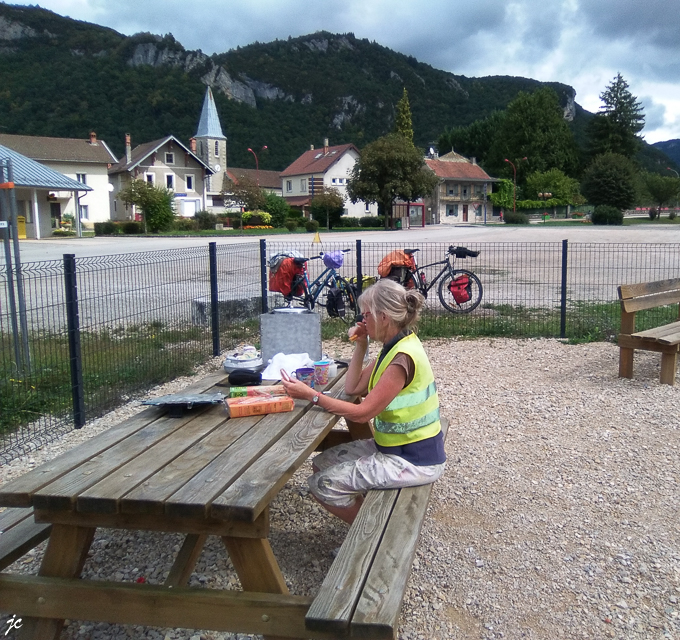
(358, 333)
(294, 388)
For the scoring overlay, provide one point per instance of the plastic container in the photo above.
(306, 375)
(246, 358)
(321, 371)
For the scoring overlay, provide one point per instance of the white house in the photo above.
(85, 161)
(166, 163)
(323, 168)
(33, 185)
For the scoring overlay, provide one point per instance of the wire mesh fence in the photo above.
(143, 319)
(147, 318)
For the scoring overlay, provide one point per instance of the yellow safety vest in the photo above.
(414, 414)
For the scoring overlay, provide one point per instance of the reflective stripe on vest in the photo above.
(413, 414)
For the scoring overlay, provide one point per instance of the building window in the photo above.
(170, 180)
(478, 190)
(289, 186)
(81, 177)
(452, 210)
(334, 181)
(368, 208)
(149, 178)
(189, 182)
(115, 205)
(217, 148)
(465, 193)
(84, 212)
(453, 189)
(303, 185)
(169, 158)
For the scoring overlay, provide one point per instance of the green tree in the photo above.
(403, 123)
(503, 194)
(661, 189)
(156, 204)
(327, 206)
(388, 169)
(621, 118)
(533, 127)
(473, 141)
(553, 181)
(277, 208)
(245, 193)
(610, 179)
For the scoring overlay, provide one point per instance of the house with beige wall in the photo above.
(164, 163)
(323, 168)
(84, 161)
(462, 192)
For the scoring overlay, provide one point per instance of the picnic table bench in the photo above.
(664, 339)
(199, 475)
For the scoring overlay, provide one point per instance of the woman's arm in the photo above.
(390, 384)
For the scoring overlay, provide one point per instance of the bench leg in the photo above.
(626, 362)
(669, 365)
(64, 558)
(186, 560)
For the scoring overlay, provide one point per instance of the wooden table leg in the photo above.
(64, 558)
(669, 366)
(185, 562)
(256, 566)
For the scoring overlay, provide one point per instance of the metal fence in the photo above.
(99, 331)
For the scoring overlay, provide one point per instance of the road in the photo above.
(54, 249)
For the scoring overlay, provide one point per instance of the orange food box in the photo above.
(258, 405)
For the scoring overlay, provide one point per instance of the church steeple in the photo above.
(211, 142)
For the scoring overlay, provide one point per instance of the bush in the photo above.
(515, 217)
(256, 218)
(312, 226)
(294, 213)
(63, 233)
(606, 214)
(653, 213)
(108, 228)
(372, 221)
(672, 214)
(185, 224)
(205, 220)
(236, 221)
(346, 221)
(131, 227)
(291, 225)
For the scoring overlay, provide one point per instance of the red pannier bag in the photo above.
(282, 279)
(461, 289)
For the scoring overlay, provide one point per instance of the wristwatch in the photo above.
(315, 399)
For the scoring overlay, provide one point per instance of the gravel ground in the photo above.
(557, 516)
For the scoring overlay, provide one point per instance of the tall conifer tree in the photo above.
(403, 123)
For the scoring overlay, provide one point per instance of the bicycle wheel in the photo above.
(469, 296)
(346, 307)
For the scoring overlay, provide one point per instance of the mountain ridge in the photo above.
(68, 77)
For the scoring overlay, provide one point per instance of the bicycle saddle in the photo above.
(300, 261)
(408, 252)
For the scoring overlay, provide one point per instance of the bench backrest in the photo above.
(647, 295)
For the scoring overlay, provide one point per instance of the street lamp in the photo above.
(514, 182)
(257, 164)
(677, 175)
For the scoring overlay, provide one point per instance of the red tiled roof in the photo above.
(317, 160)
(267, 179)
(45, 149)
(457, 169)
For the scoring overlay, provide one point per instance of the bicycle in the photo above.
(460, 290)
(341, 298)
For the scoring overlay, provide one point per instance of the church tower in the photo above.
(211, 143)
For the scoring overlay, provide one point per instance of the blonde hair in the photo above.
(401, 306)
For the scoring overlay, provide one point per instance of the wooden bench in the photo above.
(363, 591)
(19, 533)
(665, 339)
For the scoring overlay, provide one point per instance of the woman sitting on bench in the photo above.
(408, 447)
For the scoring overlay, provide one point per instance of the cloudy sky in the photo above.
(583, 43)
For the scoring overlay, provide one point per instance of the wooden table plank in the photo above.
(150, 496)
(255, 488)
(158, 606)
(62, 492)
(11, 517)
(104, 496)
(659, 332)
(19, 492)
(193, 499)
(334, 605)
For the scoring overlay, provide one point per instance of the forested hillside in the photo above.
(62, 77)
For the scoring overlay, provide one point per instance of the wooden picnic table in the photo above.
(201, 474)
